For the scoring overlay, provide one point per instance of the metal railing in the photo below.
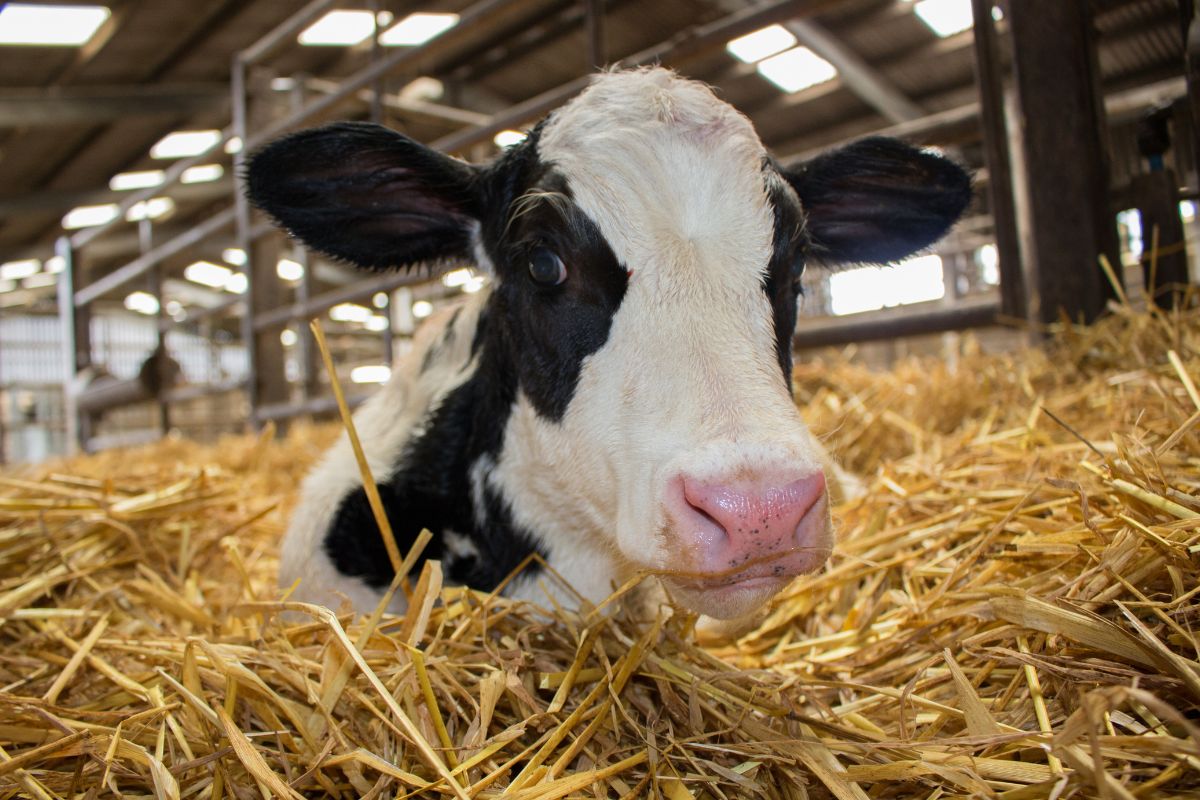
(75, 298)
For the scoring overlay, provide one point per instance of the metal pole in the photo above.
(241, 213)
(477, 16)
(170, 177)
(160, 353)
(76, 352)
(143, 264)
(309, 373)
(897, 323)
(377, 86)
(283, 32)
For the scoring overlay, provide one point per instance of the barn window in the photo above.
(915, 280)
(1129, 229)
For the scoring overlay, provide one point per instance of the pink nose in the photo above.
(772, 527)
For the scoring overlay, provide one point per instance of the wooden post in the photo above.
(1061, 169)
(269, 381)
(594, 23)
(989, 77)
(1156, 197)
(1190, 24)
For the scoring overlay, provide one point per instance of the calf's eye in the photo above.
(546, 268)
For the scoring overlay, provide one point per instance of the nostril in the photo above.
(702, 513)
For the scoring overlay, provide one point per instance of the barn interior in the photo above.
(121, 151)
(1010, 613)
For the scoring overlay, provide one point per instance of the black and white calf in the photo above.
(619, 398)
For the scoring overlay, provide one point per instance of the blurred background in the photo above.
(139, 296)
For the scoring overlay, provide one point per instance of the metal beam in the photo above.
(61, 200)
(686, 44)
(922, 58)
(140, 266)
(406, 107)
(856, 74)
(915, 320)
(277, 317)
(71, 105)
(965, 119)
(476, 17)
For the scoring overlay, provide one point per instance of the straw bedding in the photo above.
(1011, 613)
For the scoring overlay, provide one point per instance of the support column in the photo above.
(989, 77)
(77, 345)
(594, 23)
(269, 379)
(310, 368)
(1190, 25)
(1061, 170)
(1156, 195)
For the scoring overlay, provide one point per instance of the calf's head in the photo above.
(645, 255)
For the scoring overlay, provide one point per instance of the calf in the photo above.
(619, 397)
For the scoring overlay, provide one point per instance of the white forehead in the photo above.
(654, 158)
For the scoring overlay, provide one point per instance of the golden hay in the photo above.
(1010, 614)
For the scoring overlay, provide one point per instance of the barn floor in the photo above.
(1011, 614)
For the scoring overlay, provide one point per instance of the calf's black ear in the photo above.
(878, 200)
(367, 195)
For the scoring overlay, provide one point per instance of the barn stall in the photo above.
(1009, 610)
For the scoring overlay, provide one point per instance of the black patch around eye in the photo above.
(548, 334)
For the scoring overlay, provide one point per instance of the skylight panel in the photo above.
(418, 28)
(237, 283)
(796, 69)
(342, 27)
(183, 144)
(50, 25)
(142, 179)
(142, 303)
(289, 270)
(153, 208)
(202, 173)
(15, 270)
(88, 216)
(945, 17)
(349, 312)
(208, 274)
(768, 41)
(234, 255)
